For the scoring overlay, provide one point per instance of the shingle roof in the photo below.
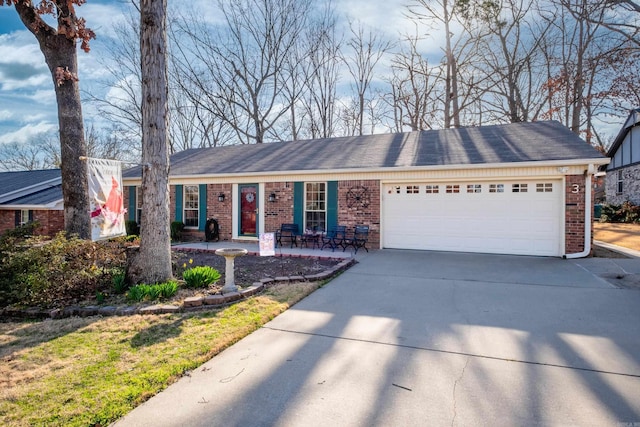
(39, 187)
(517, 142)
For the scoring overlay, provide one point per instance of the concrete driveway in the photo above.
(409, 338)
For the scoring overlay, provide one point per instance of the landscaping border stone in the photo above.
(188, 304)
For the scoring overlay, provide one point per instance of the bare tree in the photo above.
(510, 63)
(122, 103)
(363, 51)
(441, 14)
(242, 66)
(321, 94)
(58, 46)
(41, 152)
(153, 261)
(575, 60)
(413, 89)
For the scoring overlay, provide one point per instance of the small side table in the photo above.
(310, 238)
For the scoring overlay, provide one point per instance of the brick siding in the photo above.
(281, 210)
(352, 212)
(574, 214)
(51, 221)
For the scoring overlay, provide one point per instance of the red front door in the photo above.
(248, 209)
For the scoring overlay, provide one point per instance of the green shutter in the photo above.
(202, 214)
(298, 204)
(332, 204)
(132, 203)
(179, 203)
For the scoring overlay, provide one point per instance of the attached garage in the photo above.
(522, 217)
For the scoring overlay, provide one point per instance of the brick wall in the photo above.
(221, 211)
(630, 186)
(366, 211)
(51, 221)
(280, 211)
(574, 214)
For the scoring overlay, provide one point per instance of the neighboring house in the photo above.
(511, 189)
(28, 196)
(623, 173)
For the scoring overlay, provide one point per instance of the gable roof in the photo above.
(30, 188)
(632, 120)
(497, 144)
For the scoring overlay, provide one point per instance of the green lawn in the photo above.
(91, 371)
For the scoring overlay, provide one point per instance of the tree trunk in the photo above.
(61, 57)
(153, 262)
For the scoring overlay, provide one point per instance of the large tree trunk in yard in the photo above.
(152, 263)
(72, 144)
(61, 56)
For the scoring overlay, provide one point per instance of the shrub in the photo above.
(626, 212)
(48, 273)
(132, 228)
(176, 230)
(201, 276)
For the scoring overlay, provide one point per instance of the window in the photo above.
(413, 189)
(544, 187)
(474, 188)
(432, 189)
(496, 188)
(191, 206)
(24, 216)
(315, 206)
(519, 188)
(453, 189)
(138, 204)
(620, 183)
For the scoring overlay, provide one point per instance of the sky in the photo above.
(27, 99)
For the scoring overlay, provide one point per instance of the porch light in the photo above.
(272, 197)
(221, 197)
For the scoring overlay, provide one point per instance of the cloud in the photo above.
(27, 132)
(5, 115)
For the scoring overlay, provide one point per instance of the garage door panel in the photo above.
(522, 222)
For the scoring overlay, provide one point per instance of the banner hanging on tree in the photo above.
(105, 198)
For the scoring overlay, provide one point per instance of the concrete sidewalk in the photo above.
(428, 338)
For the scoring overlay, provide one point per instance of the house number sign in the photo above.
(575, 188)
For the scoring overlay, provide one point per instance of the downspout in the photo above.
(587, 216)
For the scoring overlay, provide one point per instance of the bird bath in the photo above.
(230, 255)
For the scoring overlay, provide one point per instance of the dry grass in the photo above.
(625, 235)
(91, 371)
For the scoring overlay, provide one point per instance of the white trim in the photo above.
(261, 202)
(53, 206)
(555, 168)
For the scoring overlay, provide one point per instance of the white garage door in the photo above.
(507, 217)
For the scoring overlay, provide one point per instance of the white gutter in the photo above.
(587, 216)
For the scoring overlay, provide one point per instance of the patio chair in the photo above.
(335, 237)
(359, 239)
(288, 232)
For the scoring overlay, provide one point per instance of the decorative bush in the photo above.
(176, 230)
(626, 212)
(201, 276)
(35, 271)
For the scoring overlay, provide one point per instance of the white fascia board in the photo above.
(58, 205)
(553, 163)
(187, 179)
